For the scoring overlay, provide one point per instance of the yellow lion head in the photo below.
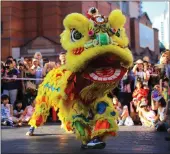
(97, 47)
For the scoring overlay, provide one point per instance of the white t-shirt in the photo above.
(162, 113)
(139, 75)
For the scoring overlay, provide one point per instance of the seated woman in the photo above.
(26, 115)
(146, 115)
(161, 117)
(117, 105)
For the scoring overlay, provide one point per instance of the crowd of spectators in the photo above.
(145, 91)
(20, 81)
(142, 95)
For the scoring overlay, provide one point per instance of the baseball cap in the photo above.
(139, 61)
(143, 104)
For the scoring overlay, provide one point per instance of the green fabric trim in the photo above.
(79, 128)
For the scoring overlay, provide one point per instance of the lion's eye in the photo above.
(75, 35)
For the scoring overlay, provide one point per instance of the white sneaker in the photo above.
(29, 133)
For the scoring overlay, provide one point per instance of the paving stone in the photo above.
(53, 139)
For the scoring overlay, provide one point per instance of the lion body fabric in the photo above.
(86, 111)
(73, 114)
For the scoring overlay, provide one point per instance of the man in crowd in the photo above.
(10, 86)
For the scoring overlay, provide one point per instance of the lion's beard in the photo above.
(96, 90)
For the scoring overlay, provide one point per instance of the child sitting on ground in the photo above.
(146, 115)
(125, 119)
(26, 115)
(18, 109)
(7, 112)
(117, 105)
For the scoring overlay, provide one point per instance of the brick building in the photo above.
(142, 26)
(33, 26)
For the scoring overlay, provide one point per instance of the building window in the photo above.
(125, 7)
(115, 3)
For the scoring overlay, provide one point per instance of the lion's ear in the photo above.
(117, 19)
(77, 21)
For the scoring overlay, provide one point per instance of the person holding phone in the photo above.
(10, 86)
(138, 71)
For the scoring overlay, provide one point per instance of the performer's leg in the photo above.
(31, 131)
(104, 122)
(40, 114)
(73, 116)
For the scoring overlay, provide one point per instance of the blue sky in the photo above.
(153, 8)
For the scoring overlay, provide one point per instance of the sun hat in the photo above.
(143, 104)
(139, 61)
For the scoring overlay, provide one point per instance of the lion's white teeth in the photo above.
(96, 77)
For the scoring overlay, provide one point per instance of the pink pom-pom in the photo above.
(91, 32)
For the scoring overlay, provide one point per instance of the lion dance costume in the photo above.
(97, 58)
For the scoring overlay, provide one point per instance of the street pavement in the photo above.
(53, 139)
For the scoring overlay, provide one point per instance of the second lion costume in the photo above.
(97, 58)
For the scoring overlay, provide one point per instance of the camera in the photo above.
(139, 79)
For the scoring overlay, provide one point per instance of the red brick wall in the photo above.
(30, 20)
(87, 5)
(23, 21)
(104, 7)
(5, 49)
(53, 15)
(134, 37)
(127, 27)
(12, 36)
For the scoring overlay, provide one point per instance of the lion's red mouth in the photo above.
(106, 68)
